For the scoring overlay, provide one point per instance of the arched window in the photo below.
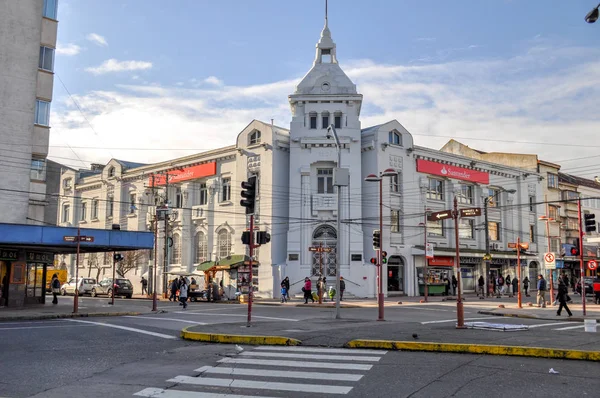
(254, 137)
(111, 172)
(224, 243)
(395, 138)
(324, 236)
(176, 249)
(201, 247)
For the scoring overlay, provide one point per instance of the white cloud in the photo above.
(113, 65)
(97, 39)
(213, 80)
(67, 49)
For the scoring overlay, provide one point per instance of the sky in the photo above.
(149, 80)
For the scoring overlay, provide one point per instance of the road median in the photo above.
(222, 338)
(534, 352)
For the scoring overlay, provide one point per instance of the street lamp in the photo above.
(592, 16)
(375, 178)
(486, 201)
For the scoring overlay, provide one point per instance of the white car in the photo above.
(85, 286)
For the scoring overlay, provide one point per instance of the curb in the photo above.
(237, 339)
(547, 318)
(535, 352)
(311, 305)
(63, 316)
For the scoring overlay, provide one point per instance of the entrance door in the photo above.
(395, 275)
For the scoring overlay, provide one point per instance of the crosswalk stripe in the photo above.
(454, 320)
(280, 373)
(319, 349)
(311, 356)
(263, 385)
(570, 327)
(539, 325)
(160, 393)
(297, 364)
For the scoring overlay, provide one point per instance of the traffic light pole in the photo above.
(251, 254)
(519, 297)
(76, 298)
(425, 272)
(460, 315)
(112, 288)
(379, 256)
(581, 268)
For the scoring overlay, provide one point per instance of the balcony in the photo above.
(324, 201)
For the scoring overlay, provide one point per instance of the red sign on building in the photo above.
(458, 173)
(442, 261)
(188, 173)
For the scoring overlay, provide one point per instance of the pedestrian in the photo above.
(565, 279)
(508, 282)
(526, 286)
(193, 282)
(283, 293)
(563, 296)
(500, 284)
(342, 288)
(541, 291)
(454, 285)
(481, 284)
(286, 282)
(307, 289)
(144, 285)
(494, 283)
(515, 285)
(320, 288)
(447, 282)
(183, 293)
(55, 285)
(174, 288)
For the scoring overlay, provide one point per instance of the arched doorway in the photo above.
(533, 271)
(395, 275)
(324, 236)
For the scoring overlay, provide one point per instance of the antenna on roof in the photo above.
(325, 9)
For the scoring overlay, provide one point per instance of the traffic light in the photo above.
(246, 237)
(373, 261)
(263, 237)
(118, 257)
(249, 195)
(590, 222)
(383, 257)
(575, 251)
(376, 239)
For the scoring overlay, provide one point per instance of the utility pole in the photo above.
(166, 249)
(425, 274)
(460, 315)
(486, 202)
(581, 269)
(76, 298)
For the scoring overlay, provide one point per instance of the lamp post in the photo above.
(592, 16)
(488, 256)
(375, 178)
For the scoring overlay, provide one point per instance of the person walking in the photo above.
(562, 297)
(183, 292)
(447, 282)
(55, 285)
(500, 284)
(526, 286)
(508, 282)
(307, 289)
(144, 283)
(515, 285)
(342, 288)
(286, 282)
(481, 284)
(541, 291)
(174, 288)
(454, 285)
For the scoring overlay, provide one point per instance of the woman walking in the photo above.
(55, 285)
(562, 296)
(526, 286)
(307, 289)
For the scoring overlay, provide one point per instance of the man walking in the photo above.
(563, 294)
(342, 288)
(183, 292)
(481, 284)
(541, 291)
(144, 286)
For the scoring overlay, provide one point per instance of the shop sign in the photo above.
(470, 260)
(458, 173)
(499, 261)
(590, 251)
(442, 261)
(188, 173)
(44, 258)
(8, 254)
(429, 250)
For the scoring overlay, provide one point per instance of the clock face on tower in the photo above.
(325, 86)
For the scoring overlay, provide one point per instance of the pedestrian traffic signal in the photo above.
(373, 261)
(263, 237)
(590, 222)
(249, 195)
(376, 239)
(575, 251)
(383, 257)
(246, 237)
(118, 257)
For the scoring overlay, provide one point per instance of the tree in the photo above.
(130, 261)
(93, 262)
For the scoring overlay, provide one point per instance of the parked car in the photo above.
(85, 286)
(122, 286)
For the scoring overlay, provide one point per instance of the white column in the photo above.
(306, 229)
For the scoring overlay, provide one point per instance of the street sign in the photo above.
(550, 260)
(81, 238)
(513, 245)
(320, 249)
(592, 265)
(429, 250)
(471, 212)
(440, 215)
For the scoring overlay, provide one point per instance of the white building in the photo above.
(298, 200)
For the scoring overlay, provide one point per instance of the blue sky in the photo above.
(509, 70)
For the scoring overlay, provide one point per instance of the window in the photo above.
(111, 172)
(570, 195)
(436, 189)
(395, 225)
(226, 191)
(38, 170)
(132, 207)
(324, 180)
(395, 183)
(67, 183)
(203, 194)
(552, 180)
(42, 113)
(465, 228)
(65, 213)
(325, 120)
(313, 120)
(201, 247)
(110, 206)
(176, 249)
(50, 8)
(494, 230)
(46, 59)
(531, 203)
(553, 212)
(178, 198)
(395, 138)
(532, 233)
(254, 137)
(83, 211)
(435, 228)
(224, 244)
(466, 194)
(555, 245)
(337, 120)
(493, 197)
(95, 209)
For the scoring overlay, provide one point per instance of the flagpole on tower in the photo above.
(325, 10)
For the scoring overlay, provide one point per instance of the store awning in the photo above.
(205, 266)
(224, 264)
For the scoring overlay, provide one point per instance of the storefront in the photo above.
(468, 274)
(439, 271)
(395, 276)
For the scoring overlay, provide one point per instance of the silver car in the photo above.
(85, 286)
(122, 286)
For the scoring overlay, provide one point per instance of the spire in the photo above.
(325, 46)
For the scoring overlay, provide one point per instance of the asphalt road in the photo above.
(122, 356)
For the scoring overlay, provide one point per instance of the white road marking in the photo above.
(571, 327)
(296, 364)
(30, 322)
(262, 385)
(41, 327)
(311, 356)
(165, 319)
(549, 324)
(421, 308)
(280, 373)
(319, 349)
(164, 336)
(160, 393)
(238, 315)
(222, 307)
(454, 320)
